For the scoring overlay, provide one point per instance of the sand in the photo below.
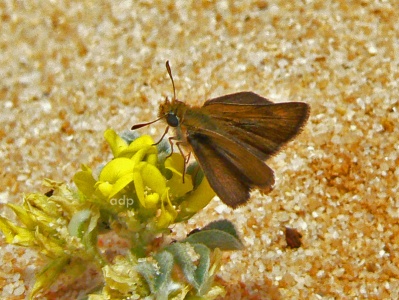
(71, 69)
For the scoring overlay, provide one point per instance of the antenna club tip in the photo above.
(168, 67)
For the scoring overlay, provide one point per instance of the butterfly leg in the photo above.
(166, 131)
(171, 145)
(186, 158)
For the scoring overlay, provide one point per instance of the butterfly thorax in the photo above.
(184, 118)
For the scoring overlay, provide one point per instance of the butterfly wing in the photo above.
(232, 135)
(232, 171)
(254, 122)
(239, 98)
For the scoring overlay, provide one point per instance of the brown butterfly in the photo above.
(231, 136)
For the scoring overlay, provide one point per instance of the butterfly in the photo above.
(231, 137)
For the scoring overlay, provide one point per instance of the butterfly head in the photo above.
(172, 111)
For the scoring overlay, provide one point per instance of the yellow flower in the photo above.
(120, 148)
(84, 181)
(196, 200)
(168, 213)
(175, 163)
(149, 184)
(135, 175)
(117, 174)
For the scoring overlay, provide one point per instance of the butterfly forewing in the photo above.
(239, 98)
(262, 128)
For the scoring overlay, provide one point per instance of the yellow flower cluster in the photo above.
(137, 180)
(138, 194)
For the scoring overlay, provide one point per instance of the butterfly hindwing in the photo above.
(231, 170)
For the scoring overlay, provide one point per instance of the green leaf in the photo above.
(165, 262)
(202, 272)
(181, 253)
(158, 275)
(223, 225)
(149, 271)
(219, 234)
(163, 282)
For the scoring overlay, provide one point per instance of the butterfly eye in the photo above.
(172, 120)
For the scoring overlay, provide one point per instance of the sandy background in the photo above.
(71, 69)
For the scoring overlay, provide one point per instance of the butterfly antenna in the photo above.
(137, 126)
(171, 78)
